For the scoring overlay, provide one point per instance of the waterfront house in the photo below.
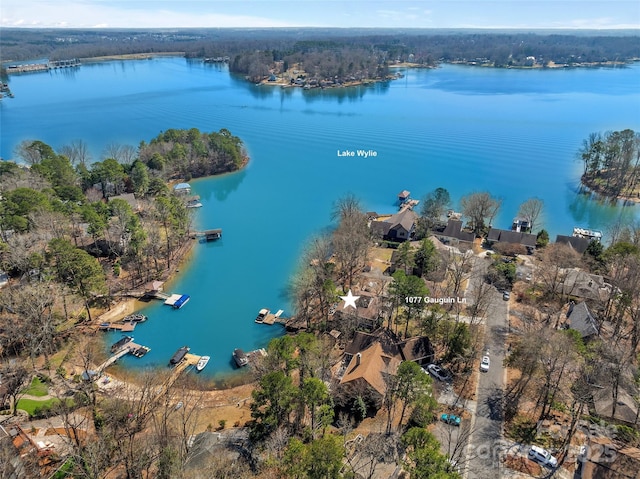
(453, 233)
(417, 349)
(398, 228)
(368, 313)
(576, 243)
(368, 371)
(527, 240)
(372, 356)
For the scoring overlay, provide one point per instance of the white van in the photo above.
(542, 456)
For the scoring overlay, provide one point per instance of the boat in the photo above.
(261, 315)
(194, 204)
(587, 233)
(121, 343)
(240, 357)
(141, 351)
(202, 362)
(179, 355)
(135, 318)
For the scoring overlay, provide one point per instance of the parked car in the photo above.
(484, 365)
(450, 419)
(542, 456)
(506, 295)
(439, 373)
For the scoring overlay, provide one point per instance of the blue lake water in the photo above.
(514, 133)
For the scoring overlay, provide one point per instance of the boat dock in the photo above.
(208, 235)
(125, 327)
(177, 300)
(129, 348)
(408, 204)
(256, 354)
(271, 318)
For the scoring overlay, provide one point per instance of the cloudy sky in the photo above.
(602, 14)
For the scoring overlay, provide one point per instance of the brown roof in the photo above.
(605, 462)
(416, 349)
(370, 366)
(362, 341)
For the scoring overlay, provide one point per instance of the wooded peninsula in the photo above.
(612, 164)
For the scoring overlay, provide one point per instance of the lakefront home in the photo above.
(527, 240)
(453, 233)
(398, 228)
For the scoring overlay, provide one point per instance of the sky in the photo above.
(519, 14)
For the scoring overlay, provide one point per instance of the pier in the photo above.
(129, 348)
(271, 318)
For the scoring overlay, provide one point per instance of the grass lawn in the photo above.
(29, 405)
(37, 388)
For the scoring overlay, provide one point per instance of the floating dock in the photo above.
(177, 300)
(208, 235)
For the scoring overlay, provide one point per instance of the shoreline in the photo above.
(586, 187)
(125, 306)
(131, 56)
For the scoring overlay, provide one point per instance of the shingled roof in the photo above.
(581, 319)
(579, 245)
(371, 366)
(513, 237)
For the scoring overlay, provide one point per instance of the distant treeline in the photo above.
(326, 50)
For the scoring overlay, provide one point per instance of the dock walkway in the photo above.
(128, 348)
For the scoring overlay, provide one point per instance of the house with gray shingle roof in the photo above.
(513, 237)
(576, 243)
(580, 318)
(398, 227)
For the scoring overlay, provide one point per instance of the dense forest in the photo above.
(327, 53)
(612, 163)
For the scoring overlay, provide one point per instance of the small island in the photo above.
(612, 164)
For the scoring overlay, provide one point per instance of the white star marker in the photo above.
(349, 300)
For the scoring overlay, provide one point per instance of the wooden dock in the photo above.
(128, 348)
(127, 327)
(409, 204)
(271, 318)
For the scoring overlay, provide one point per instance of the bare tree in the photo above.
(553, 263)
(531, 210)
(480, 209)
(351, 239)
(78, 153)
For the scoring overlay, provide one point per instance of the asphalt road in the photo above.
(485, 442)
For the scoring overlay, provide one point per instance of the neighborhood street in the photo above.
(483, 452)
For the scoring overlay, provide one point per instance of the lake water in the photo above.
(514, 133)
